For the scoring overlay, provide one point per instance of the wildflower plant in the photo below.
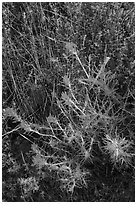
(67, 103)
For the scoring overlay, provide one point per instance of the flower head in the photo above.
(119, 150)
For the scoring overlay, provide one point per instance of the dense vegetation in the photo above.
(68, 101)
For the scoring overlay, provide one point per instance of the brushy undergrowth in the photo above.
(68, 102)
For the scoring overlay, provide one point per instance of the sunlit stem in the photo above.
(81, 64)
